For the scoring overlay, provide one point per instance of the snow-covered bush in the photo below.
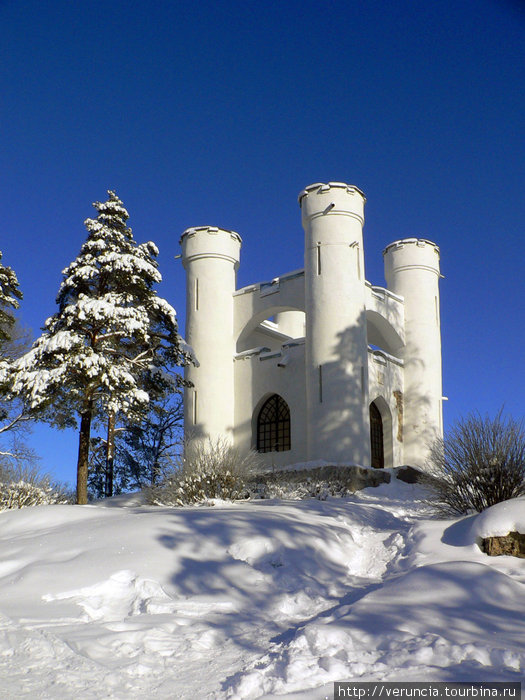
(287, 489)
(217, 470)
(22, 494)
(23, 486)
(209, 469)
(480, 462)
(319, 482)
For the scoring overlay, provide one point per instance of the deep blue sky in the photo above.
(221, 112)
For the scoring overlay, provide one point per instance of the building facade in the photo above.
(317, 364)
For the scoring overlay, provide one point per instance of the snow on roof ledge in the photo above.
(250, 353)
(377, 353)
(275, 281)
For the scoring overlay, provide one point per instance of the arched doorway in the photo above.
(377, 449)
(273, 426)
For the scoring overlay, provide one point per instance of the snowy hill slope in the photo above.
(252, 600)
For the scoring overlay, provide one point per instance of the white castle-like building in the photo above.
(317, 364)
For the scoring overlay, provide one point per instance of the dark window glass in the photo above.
(273, 426)
(376, 438)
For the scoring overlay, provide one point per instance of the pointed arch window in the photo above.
(273, 426)
(377, 449)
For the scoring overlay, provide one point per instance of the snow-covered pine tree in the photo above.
(14, 341)
(111, 336)
(10, 296)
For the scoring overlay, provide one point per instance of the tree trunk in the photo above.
(110, 455)
(155, 470)
(83, 454)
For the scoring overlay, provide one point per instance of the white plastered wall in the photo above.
(386, 390)
(258, 375)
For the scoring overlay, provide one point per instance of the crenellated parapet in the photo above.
(209, 242)
(412, 253)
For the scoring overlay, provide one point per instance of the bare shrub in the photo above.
(480, 463)
(209, 469)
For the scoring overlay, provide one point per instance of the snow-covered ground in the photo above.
(259, 599)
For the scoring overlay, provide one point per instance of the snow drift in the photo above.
(258, 599)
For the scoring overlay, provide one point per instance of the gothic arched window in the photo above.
(273, 426)
(376, 438)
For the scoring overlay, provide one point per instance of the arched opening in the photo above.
(271, 328)
(377, 449)
(381, 334)
(273, 426)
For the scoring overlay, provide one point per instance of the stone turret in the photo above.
(412, 271)
(211, 257)
(336, 346)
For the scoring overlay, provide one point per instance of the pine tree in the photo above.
(152, 447)
(10, 296)
(14, 341)
(143, 452)
(111, 336)
(15, 415)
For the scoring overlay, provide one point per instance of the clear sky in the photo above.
(221, 112)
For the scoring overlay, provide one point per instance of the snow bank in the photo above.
(122, 595)
(499, 520)
(253, 600)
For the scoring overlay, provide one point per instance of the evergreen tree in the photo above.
(143, 452)
(15, 416)
(14, 342)
(10, 296)
(111, 336)
(98, 468)
(152, 447)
